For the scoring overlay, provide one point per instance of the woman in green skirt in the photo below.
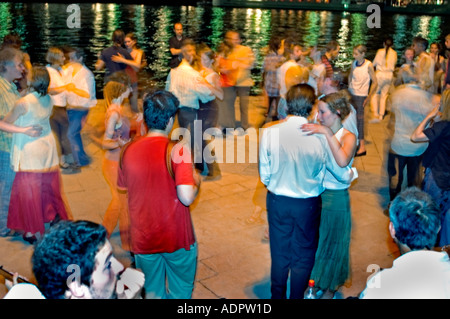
(332, 265)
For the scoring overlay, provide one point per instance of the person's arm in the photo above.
(108, 143)
(33, 131)
(100, 64)
(136, 63)
(373, 85)
(342, 174)
(18, 110)
(342, 153)
(418, 134)
(188, 193)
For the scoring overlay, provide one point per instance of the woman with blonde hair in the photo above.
(117, 134)
(36, 196)
(435, 129)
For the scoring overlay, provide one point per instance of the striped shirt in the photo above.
(8, 97)
(328, 67)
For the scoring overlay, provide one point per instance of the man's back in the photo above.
(112, 66)
(159, 221)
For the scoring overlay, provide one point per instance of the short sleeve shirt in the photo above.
(111, 66)
(160, 223)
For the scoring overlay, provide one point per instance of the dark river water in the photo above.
(44, 25)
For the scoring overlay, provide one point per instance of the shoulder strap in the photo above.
(169, 148)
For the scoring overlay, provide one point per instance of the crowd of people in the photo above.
(314, 128)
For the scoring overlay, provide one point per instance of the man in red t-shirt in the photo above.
(162, 235)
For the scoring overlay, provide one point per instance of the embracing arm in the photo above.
(418, 134)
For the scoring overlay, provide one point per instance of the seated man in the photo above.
(419, 272)
(74, 261)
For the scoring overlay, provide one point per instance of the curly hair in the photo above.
(64, 244)
(416, 219)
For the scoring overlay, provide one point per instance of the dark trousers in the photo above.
(294, 233)
(396, 165)
(208, 115)
(186, 118)
(59, 122)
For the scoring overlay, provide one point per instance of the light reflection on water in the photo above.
(43, 25)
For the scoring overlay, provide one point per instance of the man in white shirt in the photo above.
(293, 166)
(424, 71)
(410, 105)
(80, 97)
(419, 272)
(189, 87)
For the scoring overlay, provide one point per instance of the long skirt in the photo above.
(35, 200)
(332, 264)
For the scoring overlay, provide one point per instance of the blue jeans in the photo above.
(7, 175)
(294, 236)
(76, 119)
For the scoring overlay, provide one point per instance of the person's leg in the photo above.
(281, 227)
(413, 170)
(76, 119)
(181, 267)
(110, 173)
(6, 181)
(154, 268)
(396, 165)
(244, 98)
(304, 244)
(226, 109)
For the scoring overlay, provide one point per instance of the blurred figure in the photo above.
(435, 129)
(117, 134)
(35, 161)
(420, 272)
(331, 53)
(237, 64)
(406, 71)
(11, 68)
(446, 84)
(191, 89)
(161, 185)
(272, 62)
(80, 96)
(133, 66)
(410, 105)
(362, 84)
(105, 57)
(13, 40)
(74, 260)
(424, 71)
(175, 43)
(59, 120)
(439, 66)
(208, 113)
(384, 63)
(318, 71)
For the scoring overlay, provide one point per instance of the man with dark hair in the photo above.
(74, 260)
(175, 43)
(162, 235)
(419, 272)
(105, 57)
(292, 166)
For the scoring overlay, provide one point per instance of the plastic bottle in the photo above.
(310, 292)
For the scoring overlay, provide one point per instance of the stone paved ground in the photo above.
(234, 260)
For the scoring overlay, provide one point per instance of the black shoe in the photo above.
(30, 239)
(361, 154)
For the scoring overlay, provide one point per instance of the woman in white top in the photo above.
(384, 64)
(332, 263)
(36, 192)
(361, 75)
